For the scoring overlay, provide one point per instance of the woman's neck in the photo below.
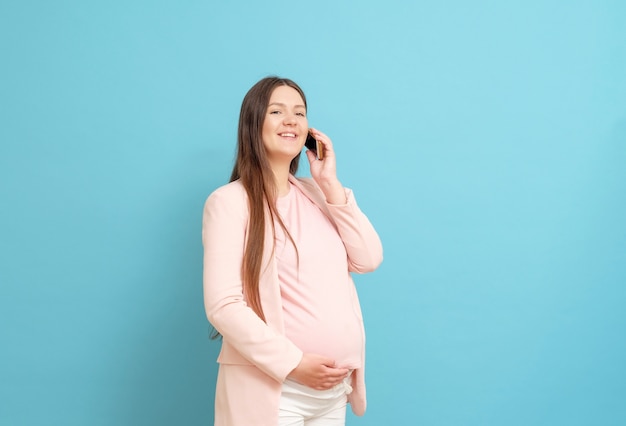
(281, 179)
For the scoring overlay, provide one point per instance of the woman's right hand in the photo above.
(318, 372)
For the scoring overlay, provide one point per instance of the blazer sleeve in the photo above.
(224, 226)
(362, 243)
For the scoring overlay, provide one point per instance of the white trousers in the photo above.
(303, 406)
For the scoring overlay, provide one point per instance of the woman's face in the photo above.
(285, 126)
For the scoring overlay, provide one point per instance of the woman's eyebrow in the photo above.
(280, 104)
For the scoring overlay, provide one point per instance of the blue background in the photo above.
(485, 140)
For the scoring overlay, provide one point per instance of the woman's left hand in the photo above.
(324, 171)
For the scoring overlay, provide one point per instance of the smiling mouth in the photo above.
(287, 135)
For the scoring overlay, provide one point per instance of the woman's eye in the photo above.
(275, 112)
(301, 114)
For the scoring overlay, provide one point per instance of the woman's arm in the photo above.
(363, 245)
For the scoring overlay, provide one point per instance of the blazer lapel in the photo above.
(312, 192)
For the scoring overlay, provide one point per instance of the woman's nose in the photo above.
(289, 119)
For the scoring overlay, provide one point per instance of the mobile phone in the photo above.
(314, 145)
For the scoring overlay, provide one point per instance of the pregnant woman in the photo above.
(278, 254)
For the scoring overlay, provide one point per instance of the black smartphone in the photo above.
(314, 145)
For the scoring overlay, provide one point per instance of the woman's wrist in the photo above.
(333, 191)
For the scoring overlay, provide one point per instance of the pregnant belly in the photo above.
(338, 338)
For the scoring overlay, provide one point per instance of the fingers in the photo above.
(330, 365)
(318, 372)
(318, 135)
(331, 374)
(333, 378)
(310, 156)
(324, 139)
(326, 169)
(327, 383)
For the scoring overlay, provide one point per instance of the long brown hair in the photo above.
(252, 168)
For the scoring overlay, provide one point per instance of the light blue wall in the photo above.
(486, 140)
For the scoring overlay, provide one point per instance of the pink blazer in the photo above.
(256, 357)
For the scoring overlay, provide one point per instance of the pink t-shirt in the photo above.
(317, 293)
